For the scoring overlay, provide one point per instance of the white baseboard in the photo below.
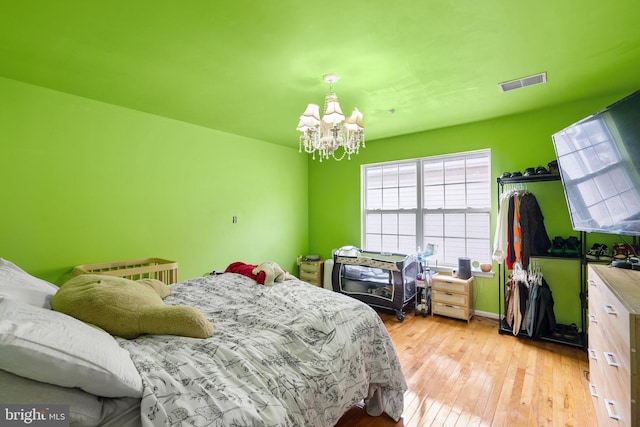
(486, 314)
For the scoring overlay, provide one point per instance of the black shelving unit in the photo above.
(503, 327)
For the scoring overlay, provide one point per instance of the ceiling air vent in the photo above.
(523, 82)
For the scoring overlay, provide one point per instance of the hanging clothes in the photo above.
(510, 302)
(535, 280)
(516, 301)
(546, 319)
(500, 237)
(535, 240)
(503, 242)
(520, 231)
(511, 256)
(524, 306)
(533, 304)
(517, 232)
(517, 314)
(529, 303)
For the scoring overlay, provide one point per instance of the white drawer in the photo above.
(607, 409)
(310, 266)
(450, 285)
(610, 320)
(613, 325)
(450, 298)
(450, 310)
(309, 275)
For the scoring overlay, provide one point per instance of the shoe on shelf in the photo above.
(558, 245)
(541, 170)
(572, 246)
(605, 254)
(630, 251)
(620, 251)
(529, 172)
(593, 254)
(559, 331)
(572, 332)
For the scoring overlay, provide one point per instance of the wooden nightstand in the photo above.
(311, 272)
(452, 297)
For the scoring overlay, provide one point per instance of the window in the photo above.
(442, 200)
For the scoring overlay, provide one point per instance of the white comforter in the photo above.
(286, 355)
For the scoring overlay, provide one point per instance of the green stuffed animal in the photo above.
(128, 308)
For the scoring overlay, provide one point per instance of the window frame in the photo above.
(420, 210)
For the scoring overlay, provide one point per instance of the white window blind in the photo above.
(443, 200)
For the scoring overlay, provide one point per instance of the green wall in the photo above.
(516, 142)
(85, 182)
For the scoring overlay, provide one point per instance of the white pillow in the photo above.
(19, 285)
(54, 348)
(84, 409)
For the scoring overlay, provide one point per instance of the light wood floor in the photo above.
(469, 375)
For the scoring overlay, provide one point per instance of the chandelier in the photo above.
(326, 136)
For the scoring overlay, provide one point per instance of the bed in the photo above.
(290, 354)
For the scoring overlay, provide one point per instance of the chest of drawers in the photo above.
(614, 334)
(451, 296)
(311, 272)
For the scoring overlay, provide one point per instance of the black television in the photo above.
(599, 161)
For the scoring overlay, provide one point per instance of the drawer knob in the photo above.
(592, 389)
(591, 283)
(611, 359)
(610, 310)
(592, 318)
(592, 354)
(611, 409)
